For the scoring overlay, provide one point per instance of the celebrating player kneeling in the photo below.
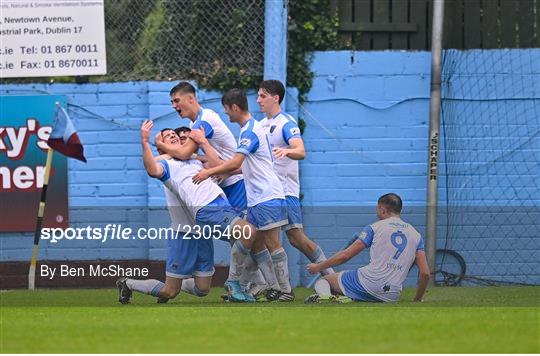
(189, 204)
(395, 246)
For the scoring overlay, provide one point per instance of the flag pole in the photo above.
(41, 211)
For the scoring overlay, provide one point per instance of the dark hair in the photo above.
(273, 87)
(181, 129)
(235, 96)
(392, 202)
(183, 88)
(166, 129)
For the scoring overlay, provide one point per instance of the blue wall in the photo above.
(366, 132)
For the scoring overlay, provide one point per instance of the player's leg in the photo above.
(171, 289)
(310, 249)
(275, 216)
(204, 268)
(201, 286)
(296, 236)
(219, 214)
(263, 259)
(181, 264)
(268, 217)
(252, 279)
(126, 286)
(181, 258)
(326, 288)
(280, 262)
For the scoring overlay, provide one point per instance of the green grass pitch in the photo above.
(477, 319)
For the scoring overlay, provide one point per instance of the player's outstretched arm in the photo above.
(153, 168)
(227, 167)
(183, 152)
(423, 276)
(295, 151)
(337, 259)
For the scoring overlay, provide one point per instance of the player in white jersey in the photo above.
(394, 246)
(189, 205)
(266, 200)
(219, 136)
(288, 147)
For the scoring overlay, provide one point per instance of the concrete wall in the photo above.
(366, 135)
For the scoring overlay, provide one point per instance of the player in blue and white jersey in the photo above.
(189, 204)
(394, 246)
(217, 135)
(288, 148)
(266, 200)
(184, 101)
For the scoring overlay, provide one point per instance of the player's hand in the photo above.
(202, 175)
(158, 139)
(146, 127)
(313, 268)
(198, 136)
(280, 152)
(220, 177)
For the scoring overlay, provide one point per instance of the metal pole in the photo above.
(39, 222)
(275, 40)
(433, 143)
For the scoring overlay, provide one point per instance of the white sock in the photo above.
(251, 272)
(281, 266)
(238, 258)
(146, 286)
(322, 288)
(264, 261)
(318, 256)
(188, 286)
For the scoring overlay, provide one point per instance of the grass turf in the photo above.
(480, 319)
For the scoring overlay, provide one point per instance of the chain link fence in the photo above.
(211, 42)
(491, 128)
(218, 43)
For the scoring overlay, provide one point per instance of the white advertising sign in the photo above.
(46, 38)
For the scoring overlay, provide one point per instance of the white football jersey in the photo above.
(393, 244)
(260, 179)
(219, 137)
(181, 216)
(280, 129)
(177, 177)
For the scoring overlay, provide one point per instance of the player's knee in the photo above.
(169, 293)
(294, 240)
(201, 292)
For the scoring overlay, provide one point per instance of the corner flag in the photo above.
(64, 138)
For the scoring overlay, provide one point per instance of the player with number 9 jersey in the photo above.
(393, 245)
